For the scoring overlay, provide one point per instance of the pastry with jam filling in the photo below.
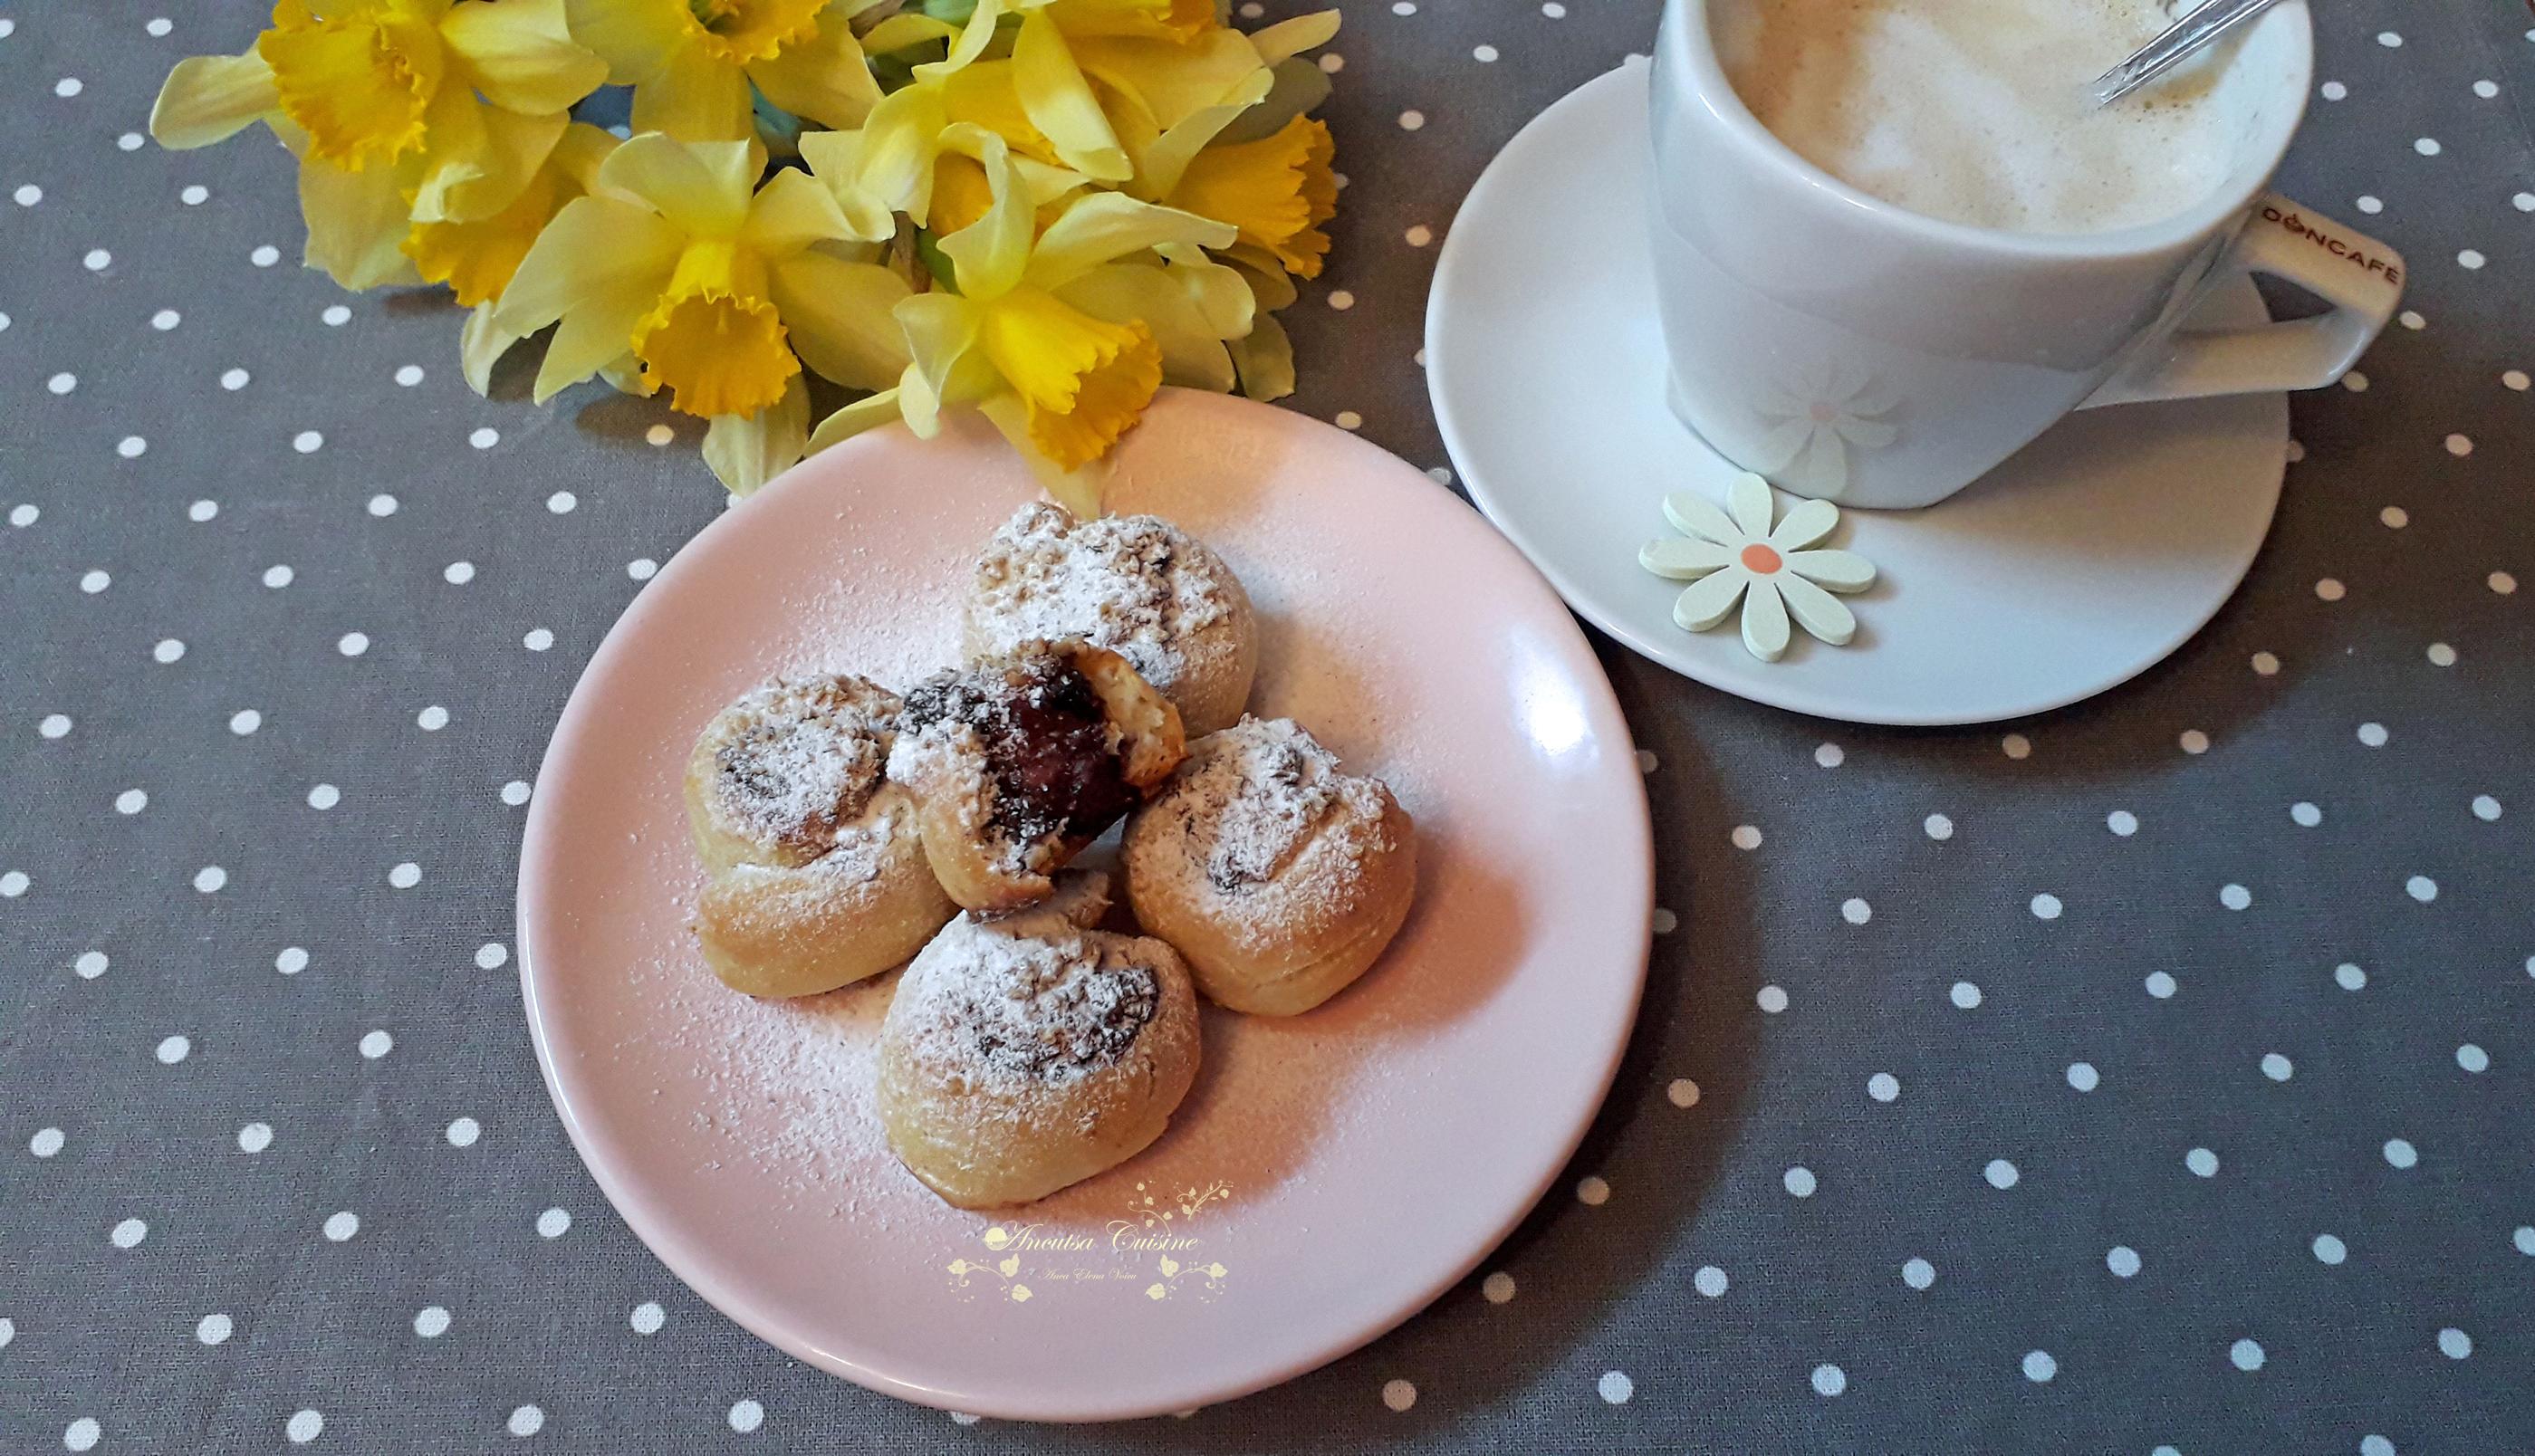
(1019, 761)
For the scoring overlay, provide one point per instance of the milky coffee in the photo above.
(1977, 111)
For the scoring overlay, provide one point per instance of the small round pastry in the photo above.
(1136, 585)
(1018, 762)
(1013, 1064)
(1279, 878)
(817, 871)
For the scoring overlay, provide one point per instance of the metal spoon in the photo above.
(2202, 24)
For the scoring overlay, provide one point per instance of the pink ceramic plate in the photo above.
(1330, 1174)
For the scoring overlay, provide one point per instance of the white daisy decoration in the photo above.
(1733, 556)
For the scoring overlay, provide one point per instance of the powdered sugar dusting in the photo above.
(795, 759)
(1016, 1017)
(1136, 585)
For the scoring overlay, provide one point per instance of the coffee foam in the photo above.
(1977, 111)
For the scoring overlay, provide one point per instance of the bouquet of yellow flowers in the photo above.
(1041, 209)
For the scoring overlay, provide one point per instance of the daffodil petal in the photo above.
(579, 152)
(1059, 105)
(1295, 88)
(895, 162)
(791, 212)
(356, 223)
(481, 343)
(500, 152)
(1765, 621)
(905, 29)
(747, 451)
(1706, 602)
(1805, 522)
(1749, 502)
(1192, 351)
(1268, 281)
(1839, 571)
(840, 317)
(207, 98)
(695, 97)
(1684, 559)
(1816, 611)
(940, 328)
(823, 78)
(703, 188)
(992, 253)
(918, 404)
(1172, 80)
(869, 412)
(593, 336)
(1692, 514)
(594, 246)
(971, 43)
(1159, 165)
(520, 54)
(633, 36)
(1103, 227)
(1265, 359)
(1294, 37)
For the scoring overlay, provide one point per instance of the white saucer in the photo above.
(2079, 563)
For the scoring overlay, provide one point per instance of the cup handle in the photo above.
(2359, 276)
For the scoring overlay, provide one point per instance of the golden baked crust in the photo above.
(1279, 878)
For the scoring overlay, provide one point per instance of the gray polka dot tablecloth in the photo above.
(2154, 1076)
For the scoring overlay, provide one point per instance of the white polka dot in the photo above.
(1410, 121)
(47, 1142)
(54, 725)
(352, 643)
(527, 1421)
(1399, 1395)
(1830, 755)
(2333, 90)
(464, 1132)
(194, 197)
(2524, 1240)
(647, 1318)
(277, 576)
(1772, 1000)
(1616, 1387)
(2388, 38)
(2426, 146)
(128, 1233)
(1682, 1092)
(14, 884)
(28, 195)
(1884, 1086)
(1708, 1281)
(2083, 1076)
(1964, 994)
(553, 1223)
(2441, 654)
(2454, 1343)
(484, 438)
(2266, 664)
(376, 1044)
(1342, 300)
(431, 1321)
(128, 142)
(2469, 259)
(21, 514)
(538, 639)
(659, 435)
(234, 379)
(2459, 445)
(2516, 379)
(432, 719)
(264, 256)
(202, 511)
(2524, 202)
(2122, 822)
(458, 573)
(245, 721)
(173, 1050)
(1799, 1182)
(168, 650)
(2411, 319)
(514, 793)
(82, 1435)
(1746, 837)
(2192, 741)
(1403, 7)
(492, 955)
(1418, 236)
(2502, 582)
(210, 878)
(2372, 735)
(2354, 381)
(323, 796)
(91, 964)
(2329, 1249)
(383, 505)
(2040, 1367)
(2000, 1173)
(1918, 1273)
(2422, 888)
(2486, 808)
(746, 1416)
(2245, 1355)
(308, 442)
(335, 316)
(255, 1137)
(562, 502)
(2123, 1260)
(131, 801)
(2046, 907)
(2202, 1163)
(2473, 1058)
(2234, 896)
(62, 383)
(2400, 1152)
(1347, 419)
(1553, 10)
(1938, 827)
(2277, 1067)
(212, 1329)
(1856, 911)
(2349, 977)
(343, 1224)
(2306, 814)
(98, 260)
(303, 1427)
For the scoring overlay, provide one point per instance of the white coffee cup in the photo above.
(1851, 351)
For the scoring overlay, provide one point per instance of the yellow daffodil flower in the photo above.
(921, 143)
(717, 289)
(1054, 335)
(400, 111)
(692, 62)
